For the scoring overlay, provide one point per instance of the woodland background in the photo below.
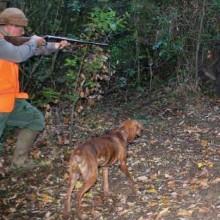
(152, 44)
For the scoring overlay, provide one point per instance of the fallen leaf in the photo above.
(142, 178)
(152, 190)
(216, 180)
(203, 210)
(204, 143)
(45, 198)
(78, 184)
(203, 183)
(184, 213)
(162, 213)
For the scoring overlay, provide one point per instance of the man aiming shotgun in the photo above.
(14, 109)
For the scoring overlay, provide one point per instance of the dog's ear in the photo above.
(139, 128)
(125, 123)
(124, 134)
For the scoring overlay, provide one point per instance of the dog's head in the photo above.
(133, 129)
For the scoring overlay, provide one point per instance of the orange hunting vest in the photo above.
(9, 86)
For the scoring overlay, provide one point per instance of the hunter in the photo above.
(14, 109)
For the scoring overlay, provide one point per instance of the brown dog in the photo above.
(97, 152)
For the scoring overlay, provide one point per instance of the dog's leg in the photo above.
(124, 169)
(88, 183)
(105, 181)
(67, 203)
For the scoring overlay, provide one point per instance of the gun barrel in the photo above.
(50, 38)
(71, 40)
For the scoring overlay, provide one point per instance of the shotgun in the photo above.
(50, 38)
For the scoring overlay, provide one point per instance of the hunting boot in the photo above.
(26, 138)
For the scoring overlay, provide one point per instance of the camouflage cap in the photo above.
(13, 16)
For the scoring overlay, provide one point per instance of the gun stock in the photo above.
(50, 38)
(17, 41)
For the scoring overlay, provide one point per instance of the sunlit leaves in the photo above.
(106, 21)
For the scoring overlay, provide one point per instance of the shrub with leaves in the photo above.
(88, 70)
(84, 77)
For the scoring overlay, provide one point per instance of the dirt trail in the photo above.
(175, 163)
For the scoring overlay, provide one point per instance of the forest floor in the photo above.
(175, 162)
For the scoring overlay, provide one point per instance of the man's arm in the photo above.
(17, 54)
(51, 47)
(48, 49)
(35, 46)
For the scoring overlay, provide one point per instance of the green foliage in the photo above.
(105, 22)
(71, 74)
(88, 68)
(121, 59)
(94, 65)
(49, 95)
(83, 75)
(73, 98)
(71, 79)
(167, 44)
(74, 6)
(151, 42)
(216, 5)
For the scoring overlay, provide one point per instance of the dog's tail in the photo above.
(73, 177)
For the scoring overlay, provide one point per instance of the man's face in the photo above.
(14, 30)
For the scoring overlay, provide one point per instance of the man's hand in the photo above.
(40, 40)
(62, 44)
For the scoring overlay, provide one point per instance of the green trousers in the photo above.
(24, 115)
